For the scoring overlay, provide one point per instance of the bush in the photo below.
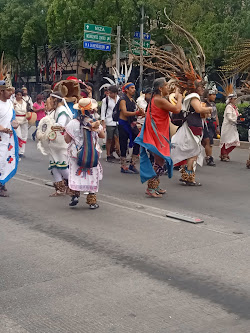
(243, 132)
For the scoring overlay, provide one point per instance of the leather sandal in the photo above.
(152, 193)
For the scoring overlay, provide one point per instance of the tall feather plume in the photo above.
(175, 64)
(240, 58)
(199, 56)
(3, 69)
(228, 84)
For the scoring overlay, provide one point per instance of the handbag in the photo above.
(87, 156)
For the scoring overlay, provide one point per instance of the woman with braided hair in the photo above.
(155, 137)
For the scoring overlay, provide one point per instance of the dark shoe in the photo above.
(94, 206)
(4, 188)
(114, 159)
(210, 161)
(133, 169)
(33, 137)
(126, 170)
(3, 194)
(74, 201)
(110, 159)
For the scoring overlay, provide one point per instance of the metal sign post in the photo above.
(141, 48)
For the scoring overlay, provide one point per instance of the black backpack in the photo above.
(116, 111)
(107, 106)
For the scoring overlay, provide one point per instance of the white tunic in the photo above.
(8, 144)
(85, 180)
(52, 143)
(229, 132)
(20, 110)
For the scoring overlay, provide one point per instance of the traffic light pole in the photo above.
(141, 48)
(118, 48)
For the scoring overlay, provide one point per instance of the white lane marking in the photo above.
(103, 195)
(32, 177)
(136, 210)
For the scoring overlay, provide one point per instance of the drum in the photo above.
(31, 117)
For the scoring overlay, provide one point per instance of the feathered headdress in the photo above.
(228, 86)
(5, 80)
(240, 58)
(175, 64)
(120, 78)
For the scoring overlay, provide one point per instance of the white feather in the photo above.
(106, 85)
(116, 73)
(130, 70)
(108, 79)
(126, 72)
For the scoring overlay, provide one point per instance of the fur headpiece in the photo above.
(70, 89)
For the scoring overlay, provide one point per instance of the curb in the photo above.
(243, 144)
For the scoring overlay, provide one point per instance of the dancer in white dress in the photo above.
(83, 179)
(229, 133)
(20, 107)
(8, 138)
(50, 134)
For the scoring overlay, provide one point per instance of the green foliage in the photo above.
(26, 24)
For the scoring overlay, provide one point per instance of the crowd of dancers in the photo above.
(172, 125)
(164, 129)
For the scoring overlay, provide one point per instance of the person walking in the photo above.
(85, 170)
(50, 135)
(187, 141)
(229, 133)
(8, 138)
(112, 132)
(20, 107)
(211, 127)
(39, 108)
(155, 137)
(27, 99)
(142, 103)
(128, 129)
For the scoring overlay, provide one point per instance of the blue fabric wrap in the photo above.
(128, 85)
(74, 111)
(126, 126)
(12, 174)
(146, 169)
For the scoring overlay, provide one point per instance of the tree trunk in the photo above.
(46, 62)
(36, 63)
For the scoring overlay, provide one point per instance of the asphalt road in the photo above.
(126, 267)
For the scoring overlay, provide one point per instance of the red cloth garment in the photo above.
(161, 119)
(155, 138)
(227, 151)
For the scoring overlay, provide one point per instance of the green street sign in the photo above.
(137, 52)
(146, 44)
(95, 37)
(97, 28)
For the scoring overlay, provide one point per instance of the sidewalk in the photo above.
(243, 144)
